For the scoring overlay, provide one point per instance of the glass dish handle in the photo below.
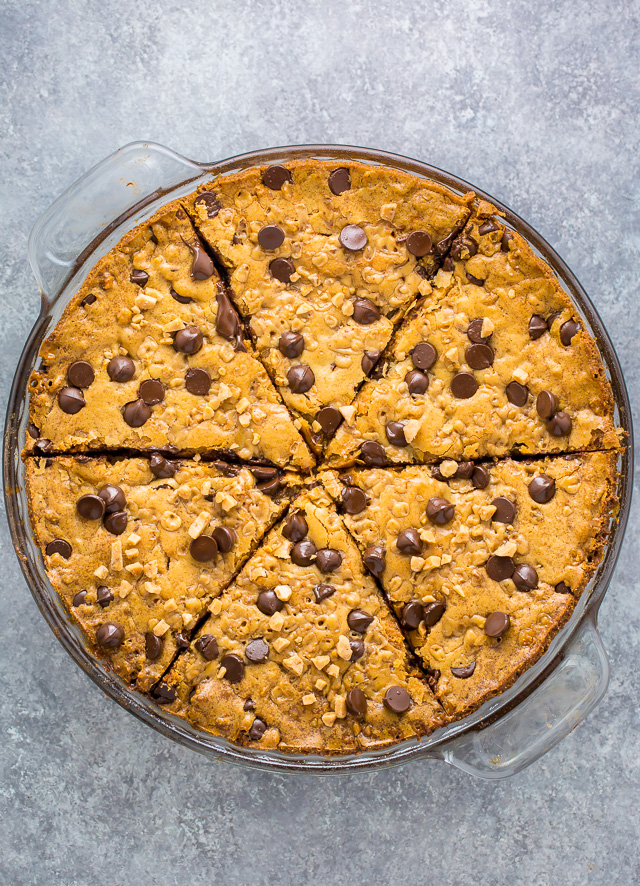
(543, 718)
(135, 174)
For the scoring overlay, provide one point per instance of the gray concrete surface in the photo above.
(535, 102)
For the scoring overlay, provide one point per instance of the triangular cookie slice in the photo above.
(495, 360)
(322, 260)
(301, 652)
(150, 355)
(138, 548)
(485, 567)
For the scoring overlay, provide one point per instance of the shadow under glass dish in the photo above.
(509, 731)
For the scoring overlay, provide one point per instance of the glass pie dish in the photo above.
(509, 731)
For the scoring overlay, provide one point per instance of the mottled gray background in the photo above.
(535, 102)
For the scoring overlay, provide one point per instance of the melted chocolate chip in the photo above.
(275, 176)
(323, 592)
(300, 378)
(505, 510)
(463, 247)
(365, 312)
(110, 635)
(152, 646)
(562, 588)
(204, 548)
(33, 431)
(121, 369)
(91, 507)
(353, 238)
(281, 269)
(409, 542)
(209, 202)
(181, 299)
(353, 499)
(372, 454)
(113, 497)
(500, 568)
(188, 340)
(207, 646)
(397, 699)
(488, 227)
(517, 394)
(506, 239)
(268, 603)
(303, 552)
(357, 648)
(258, 729)
(79, 598)
(463, 386)
(257, 651)
(440, 511)
(479, 356)
(419, 243)
(71, 400)
(163, 694)
(433, 612)
(151, 390)
(139, 277)
(329, 419)
(295, 527)
(339, 181)
(136, 413)
(525, 578)
(328, 560)
(359, 621)
(227, 321)
(412, 615)
(197, 382)
(202, 266)
(80, 374)
(559, 425)
(475, 280)
(160, 467)
(464, 471)
(291, 344)
(58, 546)
(496, 624)
(369, 360)
(182, 642)
(424, 355)
(542, 489)
(375, 559)
(234, 667)
(567, 331)
(395, 434)
(270, 237)
(464, 672)
(417, 381)
(537, 327)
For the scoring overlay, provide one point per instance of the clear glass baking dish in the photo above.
(510, 731)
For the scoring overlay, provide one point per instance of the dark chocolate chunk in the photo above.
(488, 227)
(88, 300)
(475, 280)
(139, 277)
(163, 694)
(258, 729)
(209, 202)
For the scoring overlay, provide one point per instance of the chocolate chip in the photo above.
(182, 642)
(559, 425)
(395, 434)
(80, 374)
(433, 612)
(202, 266)
(551, 319)
(91, 507)
(160, 467)
(525, 578)
(448, 264)
(475, 280)
(354, 500)
(479, 356)
(339, 181)
(58, 546)
(204, 548)
(504, 242)
(116, 523)
(359, 621)
(424, 355)
(465, 470)
(372, 454)
(409, 542)
(537, 327)
(88, 300)
(480, 477)
(329, 419)
(281, 269)
(517, 394)
(417, 381)
(463, 386)
(258, 729)
(230, 470)
(268, 603)
(42, 447)
(270, 237)
(562, 588)
(269, 487)
(474, 332)
(496, 624)
(419, 243)
(465, 672)
(225, 538)
(323, 592)
(121, 368)
(275, 176)
(151, 390)
(542, 489)
(356, 702)
(303, 552)
(375, 559)
(181, 299)
(412, 614)
(365, 312)
(328, 560)
(567, 331)
(369, 360)
(140, 278)
(295, 527)
(210, 203)
(301, 378)
(110, 635)
(353, 238)
(257, 651)
(546, 404)
(79, 598)
(505, 510)
(291, 344)
(357, 648)
(152, 646)
(136, 413)
(234, 667)
(227, 321)
(500, 568)
(440, 511)
(198, 382)
(207, 646)
(188, 340)
(488, 227)
(33, 431)
(71, 400)
(464, 247)
(163, 694)
(397, 699)
(113, 497)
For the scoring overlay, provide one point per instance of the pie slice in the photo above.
(137, 548)
(323, 260)
(482, 563)
(495, 361)
(150, 355)
(301, 652)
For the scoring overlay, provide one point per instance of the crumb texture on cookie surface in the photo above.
(321, 457)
